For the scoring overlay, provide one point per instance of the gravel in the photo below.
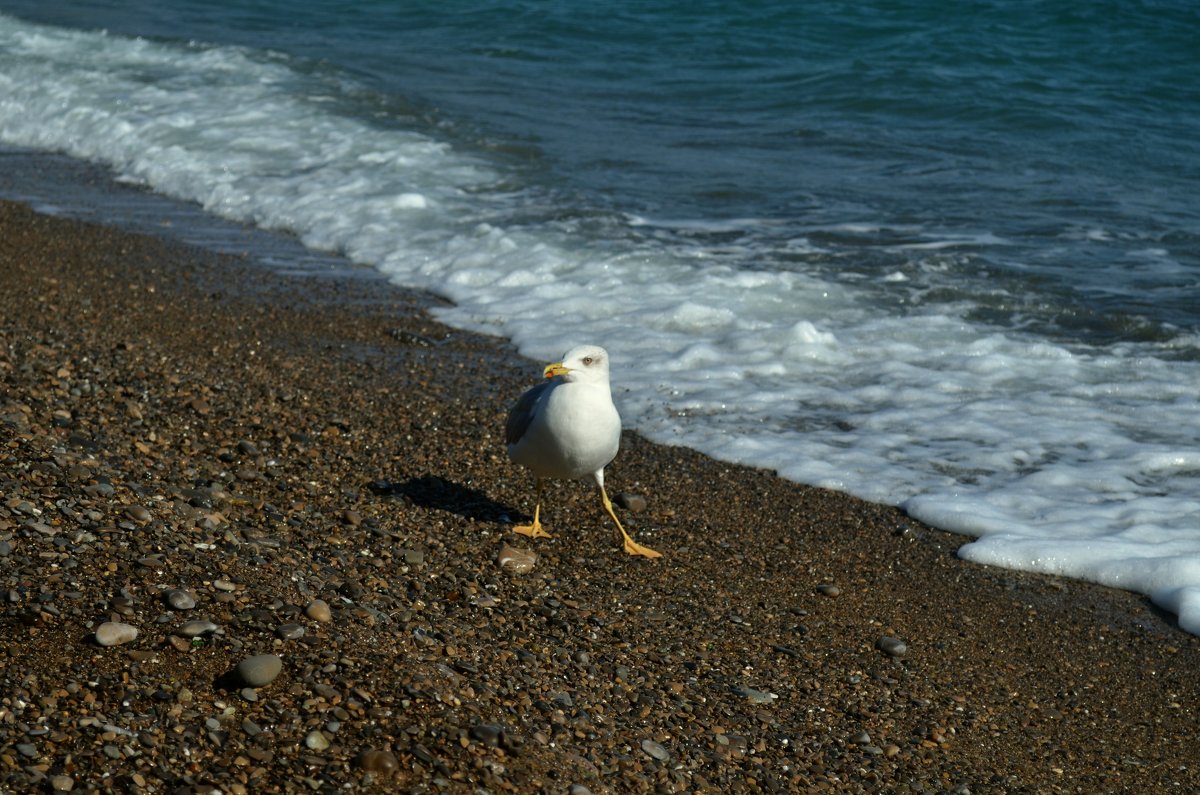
(319, 466)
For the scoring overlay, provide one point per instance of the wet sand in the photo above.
(177, 421)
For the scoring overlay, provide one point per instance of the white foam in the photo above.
(1074, 460)
(986, 239)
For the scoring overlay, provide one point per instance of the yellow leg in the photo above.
(631, 546)
(534, 530)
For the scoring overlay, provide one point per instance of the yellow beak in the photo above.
(555, 369)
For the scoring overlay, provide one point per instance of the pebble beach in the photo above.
(254, 537)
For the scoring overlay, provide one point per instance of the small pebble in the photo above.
(138, 513)
(111, 633)
(224, 585)
(62, 783)
(414, 557)
(487, 733)
(375, 761)
(755, 696)
(318, 610)
(196, 628)
(180, 600)
(655, 750)
(634, 503)
(316, 740)
(289, 631)
(516, 560)
(260, 669)
(578, 789)
(893, 647)
(828, 589)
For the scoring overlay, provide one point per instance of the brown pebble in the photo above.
(178, 643)
(318, 610)
(383, 762)
(634, 503)
(138, 513)
(516, 560)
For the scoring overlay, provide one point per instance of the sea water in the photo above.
(940, 257)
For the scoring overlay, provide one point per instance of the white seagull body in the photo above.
(568, 428)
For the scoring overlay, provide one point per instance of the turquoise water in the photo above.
(941, 257)
(1071, 133)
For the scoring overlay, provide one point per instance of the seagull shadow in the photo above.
(228, 681)
(430, 491)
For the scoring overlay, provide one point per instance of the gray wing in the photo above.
(521, 414)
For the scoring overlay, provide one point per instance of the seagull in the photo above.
(567, 427)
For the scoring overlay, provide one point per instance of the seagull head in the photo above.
(583, 363)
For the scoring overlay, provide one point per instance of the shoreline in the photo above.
(174, 419)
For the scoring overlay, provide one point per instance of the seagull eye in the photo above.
(587, 359)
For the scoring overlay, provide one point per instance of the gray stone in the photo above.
(655, 750)
(196, 628)
(112, 633)
(180, 600)
(755, 696)
(289, 631)
(260, 669)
